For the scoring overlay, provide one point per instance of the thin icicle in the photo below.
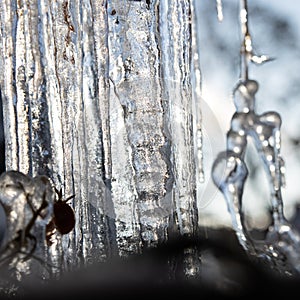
(229, 171)
(196, 97)
(220, 10)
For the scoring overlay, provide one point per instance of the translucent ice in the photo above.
(26, 208)
(229, 173)
(282, 244)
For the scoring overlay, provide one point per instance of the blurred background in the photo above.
(274, 26)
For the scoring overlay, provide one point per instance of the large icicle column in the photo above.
(103, 98)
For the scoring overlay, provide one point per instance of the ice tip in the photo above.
(220, 10)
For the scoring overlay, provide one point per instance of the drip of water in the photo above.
(229, 172)
(220, 10)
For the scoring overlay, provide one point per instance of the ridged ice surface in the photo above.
(103, 98)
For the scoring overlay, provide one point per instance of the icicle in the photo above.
(229, 175)
(182, 111)
(229, 170)
(220, 10)
(98, 97)
(196, 97)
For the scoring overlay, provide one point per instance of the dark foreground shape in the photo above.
(227, 273)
